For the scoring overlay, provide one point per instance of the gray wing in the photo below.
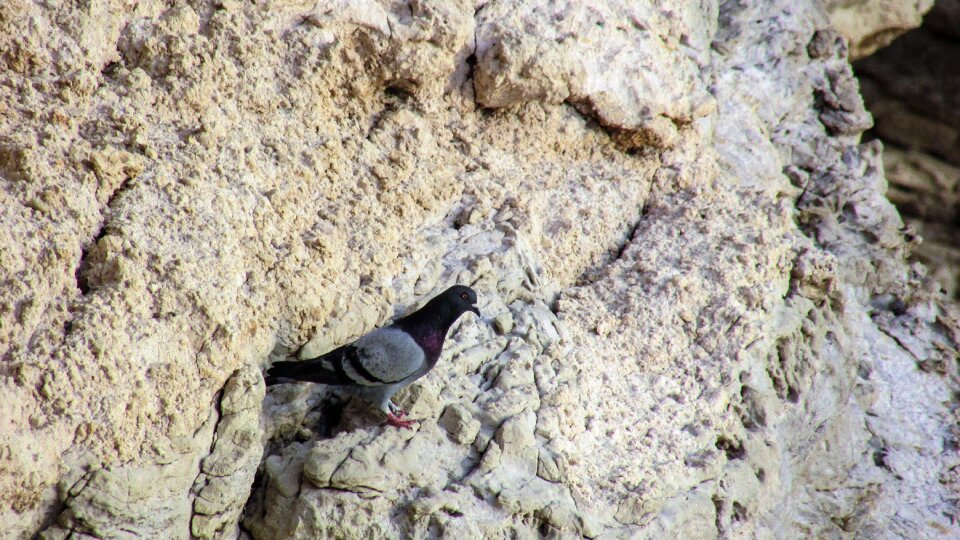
(385, 356)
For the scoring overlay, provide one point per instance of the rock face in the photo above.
(703, 323)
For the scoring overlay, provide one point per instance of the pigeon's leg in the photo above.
(395, 409)
(395, 415)
(396, 421)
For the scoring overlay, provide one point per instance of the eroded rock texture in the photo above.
(703, 324)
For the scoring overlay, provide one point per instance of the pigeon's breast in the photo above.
(432, 344)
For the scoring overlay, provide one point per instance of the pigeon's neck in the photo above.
(429, 327)
(431, 341)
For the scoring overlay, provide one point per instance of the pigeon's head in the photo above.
(461, 298)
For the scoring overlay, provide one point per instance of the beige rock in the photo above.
(503, 323)
(227, 471)
(708, 326)
(872, 24)
(460, 424)
(560, 52)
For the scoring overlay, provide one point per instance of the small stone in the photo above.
(38, 205)
(503, 323)
(460, 423)
(475, 216)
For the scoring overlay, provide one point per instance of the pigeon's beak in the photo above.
(475, 310)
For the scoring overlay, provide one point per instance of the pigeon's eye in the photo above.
(464, 296)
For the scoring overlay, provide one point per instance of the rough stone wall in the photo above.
(703, 322)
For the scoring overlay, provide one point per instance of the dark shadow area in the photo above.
(912, 89)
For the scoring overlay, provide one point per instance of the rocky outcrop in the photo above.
(912, 89)
(702, 320)
(869, 25)
(927, 192)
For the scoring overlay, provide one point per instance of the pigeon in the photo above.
(387, 359)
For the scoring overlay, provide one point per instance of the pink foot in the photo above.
(396, 420)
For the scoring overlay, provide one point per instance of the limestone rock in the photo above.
(705, 322)
(559, 52)
(869, 25)
(460, 424)
(227, 471)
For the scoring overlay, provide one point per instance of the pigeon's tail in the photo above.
(285, 371)
(270, 381)
(290, 371)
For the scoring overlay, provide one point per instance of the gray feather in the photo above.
(389, 354)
